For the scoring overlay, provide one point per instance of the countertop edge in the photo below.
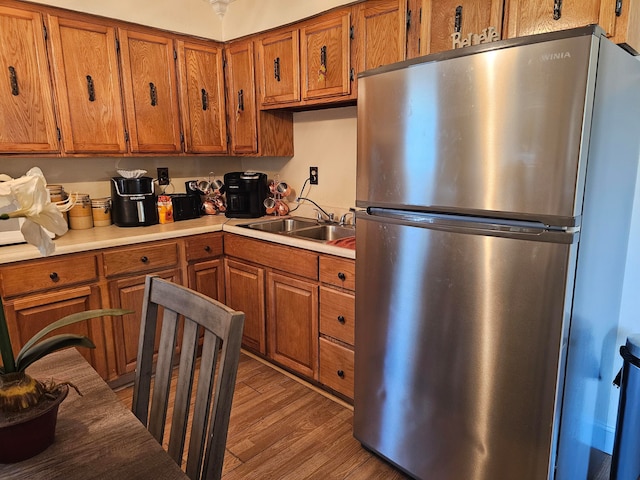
(78, 241)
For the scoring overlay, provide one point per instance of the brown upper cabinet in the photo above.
(241, 97)
(200, 67)
(87, 86)
(27, 122)
(325, 56)
(278, 67)
(448, 24)
(380, 31)
(252, 131)
(150, 92)
(618, 18)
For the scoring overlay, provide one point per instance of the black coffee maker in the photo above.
(246, 193)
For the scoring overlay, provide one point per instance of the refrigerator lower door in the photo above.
(459, 339)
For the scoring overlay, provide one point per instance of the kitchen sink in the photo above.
(306, 228)
(282, 224)
(325, 233)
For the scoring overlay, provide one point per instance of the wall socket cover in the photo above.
(313, 175)
(163, 176)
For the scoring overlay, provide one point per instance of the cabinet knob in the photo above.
(54, 276)
(144, 259)
(207, 248)
(342, 276)
(341, 319)
(340, 373)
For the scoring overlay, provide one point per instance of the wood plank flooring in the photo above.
(282, 428)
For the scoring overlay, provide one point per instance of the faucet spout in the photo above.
(321, 211)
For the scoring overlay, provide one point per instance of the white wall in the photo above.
(195, 17)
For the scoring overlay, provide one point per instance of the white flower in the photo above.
(30, 197)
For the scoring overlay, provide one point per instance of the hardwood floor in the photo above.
(281, 428)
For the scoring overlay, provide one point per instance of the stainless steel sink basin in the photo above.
(325, 233)
(300, 227)
(282, 224)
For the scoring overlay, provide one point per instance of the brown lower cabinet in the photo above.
(298, 303)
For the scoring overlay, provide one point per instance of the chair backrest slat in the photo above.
(221, 341)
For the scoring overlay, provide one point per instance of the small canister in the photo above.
(80, 216)
(57, 195)
(101, 211)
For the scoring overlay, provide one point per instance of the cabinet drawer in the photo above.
(337, 271)
(294, 261)
(47, 274)
(336, 367)
(337, 314)
(203, 247)
(140, 259)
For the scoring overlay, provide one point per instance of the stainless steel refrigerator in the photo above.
(496, 186)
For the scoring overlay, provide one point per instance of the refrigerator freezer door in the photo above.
(498, 132)
(458, 341)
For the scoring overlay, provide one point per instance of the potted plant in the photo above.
(28, 407)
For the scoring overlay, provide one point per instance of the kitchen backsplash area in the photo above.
(325, 139)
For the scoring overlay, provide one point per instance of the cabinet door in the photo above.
(128, 293)
(381, 33)
(202, 96)
(447, 24)
(27, 123)
(207, 278)
(325, 57)
(27, 315)
(620, 21)
(241, 100)
(539, 16)
(87, 86)
(244, 291)
(293, 323)
(279, 68)
(150, 92)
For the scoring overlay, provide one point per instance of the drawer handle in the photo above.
(144, 259)
(342, 276)
(340, 373)
(54, 276)
(341, 319)
(207, 248)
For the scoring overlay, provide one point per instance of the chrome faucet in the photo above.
(320, 211)
(343, 217)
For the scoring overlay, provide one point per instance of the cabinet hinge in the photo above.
(408, 19)
(44, 31)
(618, 8)
(352, 33)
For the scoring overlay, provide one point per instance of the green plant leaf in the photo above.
(6, 352)
(50, 345)
(70, 319)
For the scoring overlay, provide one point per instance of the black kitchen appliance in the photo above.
(133, 202)
(186, 206)
(246, 192)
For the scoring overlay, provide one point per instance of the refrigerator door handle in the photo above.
(526, 230)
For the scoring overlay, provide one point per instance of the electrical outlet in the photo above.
(313, 175)
(163, 176)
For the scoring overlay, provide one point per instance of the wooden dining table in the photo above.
(97, 437)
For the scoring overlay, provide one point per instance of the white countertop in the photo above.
(75, 241)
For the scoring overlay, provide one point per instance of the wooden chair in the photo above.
(221, 345)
